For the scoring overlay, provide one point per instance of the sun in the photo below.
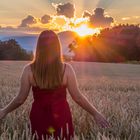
(84, 30)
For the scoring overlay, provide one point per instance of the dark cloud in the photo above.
(66, 9)
(12, 30)
(45, 19)
(98, 18)
(29, 20)
(7, 28)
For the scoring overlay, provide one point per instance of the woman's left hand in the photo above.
(2, 114)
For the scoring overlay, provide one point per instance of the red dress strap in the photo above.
(63, 71)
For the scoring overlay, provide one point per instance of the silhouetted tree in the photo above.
(11, 50)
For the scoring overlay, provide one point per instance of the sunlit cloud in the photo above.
(80, 20)
(75, 22)
(131, 19)
(81, 26)
(65, 18)
(126, 18)
(66, 9)
(40, 14)
(61, 20)
(136, 17)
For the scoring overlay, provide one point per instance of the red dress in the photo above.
(50, 114)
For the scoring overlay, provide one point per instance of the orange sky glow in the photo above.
(61, 15)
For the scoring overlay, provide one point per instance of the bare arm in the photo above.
(80, 99)
(21, 96)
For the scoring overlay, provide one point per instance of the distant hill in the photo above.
(28, 42)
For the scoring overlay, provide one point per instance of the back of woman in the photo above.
(50, 113)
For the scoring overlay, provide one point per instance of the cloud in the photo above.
(136, 17)
(126, 18)
(129, 18)
(28, 30)
(45, 19)
(60, 20)
(98, 18)
(29, 20)
(66, 9)
(10, 28)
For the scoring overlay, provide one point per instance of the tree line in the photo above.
(117, 44)
(11, 50)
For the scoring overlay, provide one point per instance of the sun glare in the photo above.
(84, 30)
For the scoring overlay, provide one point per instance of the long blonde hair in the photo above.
(47, 62)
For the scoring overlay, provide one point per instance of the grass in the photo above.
(114, 89)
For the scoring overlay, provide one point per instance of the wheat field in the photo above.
(114, 89)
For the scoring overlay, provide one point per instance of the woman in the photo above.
(49, 77)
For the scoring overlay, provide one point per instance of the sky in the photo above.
(59, 14)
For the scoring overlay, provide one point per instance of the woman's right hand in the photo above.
(101, 121)
(2, 114)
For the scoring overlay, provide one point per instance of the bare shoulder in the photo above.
(27, 68)
(69, 68)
